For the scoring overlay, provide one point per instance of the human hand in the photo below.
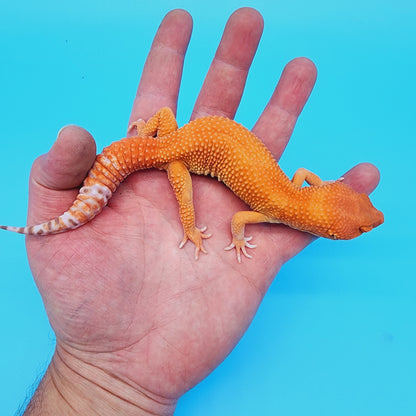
(137, 321)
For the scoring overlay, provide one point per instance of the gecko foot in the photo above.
(333, 181)
(138, 125)
(196, 236)
(240, 246)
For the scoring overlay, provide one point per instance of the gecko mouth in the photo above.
(366, 228)
(378, 220)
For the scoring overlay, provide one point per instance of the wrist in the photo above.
(72, 387)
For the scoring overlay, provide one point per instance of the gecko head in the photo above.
(352, 213)
(347, 213)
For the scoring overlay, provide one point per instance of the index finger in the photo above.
(162, 72)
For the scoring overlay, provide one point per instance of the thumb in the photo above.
(55, 174)
(67, 162)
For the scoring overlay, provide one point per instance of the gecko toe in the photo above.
(241, 247)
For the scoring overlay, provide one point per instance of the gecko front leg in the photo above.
(238, 223)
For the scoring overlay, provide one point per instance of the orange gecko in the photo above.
(226, 150)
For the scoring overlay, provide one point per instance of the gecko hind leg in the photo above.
(159, 125)
(304, 175)
(196, 236)
(181, 182)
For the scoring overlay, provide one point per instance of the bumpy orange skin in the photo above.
(333, 211)
(224, 149)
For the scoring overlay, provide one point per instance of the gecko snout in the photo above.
(377, 218)
(355, 214)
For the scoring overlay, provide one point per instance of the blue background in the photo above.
(336, 334)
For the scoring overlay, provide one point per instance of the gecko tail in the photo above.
(54, 226)
(88, 204)
(20, 230)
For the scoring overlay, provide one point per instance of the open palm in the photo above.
(119, 293)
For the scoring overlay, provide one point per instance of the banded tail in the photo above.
(88, 204)
(110, 168)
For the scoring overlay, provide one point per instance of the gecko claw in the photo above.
(138, 125)
(247, 239)
(240, 247)
(198, 249)
(196, 236)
